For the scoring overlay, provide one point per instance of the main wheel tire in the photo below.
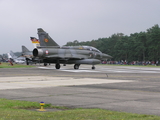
(76, 66)
(58, 66)
(45, 64)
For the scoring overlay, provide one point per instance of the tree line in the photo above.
(143, 46)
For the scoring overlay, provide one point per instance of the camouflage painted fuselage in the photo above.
(50, 52)
(70, 54)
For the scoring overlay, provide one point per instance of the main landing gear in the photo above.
(76, 66)
(57, 66)
(45, 64)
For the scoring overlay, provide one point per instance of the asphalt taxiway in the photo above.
(119, 88)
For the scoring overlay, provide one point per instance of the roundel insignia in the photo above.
(46, 40)
(46, 51)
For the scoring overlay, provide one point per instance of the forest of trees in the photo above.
(143, 46)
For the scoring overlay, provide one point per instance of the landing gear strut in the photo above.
(57, 66)
(76, 66)
(27, 62)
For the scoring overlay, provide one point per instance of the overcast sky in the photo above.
(69, 20)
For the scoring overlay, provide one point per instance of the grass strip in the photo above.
(25, 110)
(7, 65)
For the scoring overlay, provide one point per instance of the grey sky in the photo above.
(69, 20)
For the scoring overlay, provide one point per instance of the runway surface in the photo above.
(119, 88)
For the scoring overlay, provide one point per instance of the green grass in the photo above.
(24, 110)
(7, 65)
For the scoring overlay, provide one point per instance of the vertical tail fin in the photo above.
(26, 53)
(24, 49)
(35, 42)
(12, 55)
(45, 39)
(9, 56)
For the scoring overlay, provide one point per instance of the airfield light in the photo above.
(42, 106)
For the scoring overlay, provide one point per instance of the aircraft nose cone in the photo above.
(105, 56)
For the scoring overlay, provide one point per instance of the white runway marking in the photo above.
(80, 70)
(73, 70)
(132, 70)
(104, 69)
(46, 68)
(45, 81)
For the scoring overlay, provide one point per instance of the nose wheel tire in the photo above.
(93, 67)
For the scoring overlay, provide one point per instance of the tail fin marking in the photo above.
(45, 39)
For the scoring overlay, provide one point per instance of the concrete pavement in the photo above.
(119, 91)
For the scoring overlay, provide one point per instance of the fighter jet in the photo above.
(27, 54)
(4, 58)
(51, 52)
(15, 58)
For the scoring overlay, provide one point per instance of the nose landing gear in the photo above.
(93, 67)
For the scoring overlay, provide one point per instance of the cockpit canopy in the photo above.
(91, 49)
(82, 48)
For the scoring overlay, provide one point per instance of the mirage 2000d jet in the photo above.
(50, 52)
